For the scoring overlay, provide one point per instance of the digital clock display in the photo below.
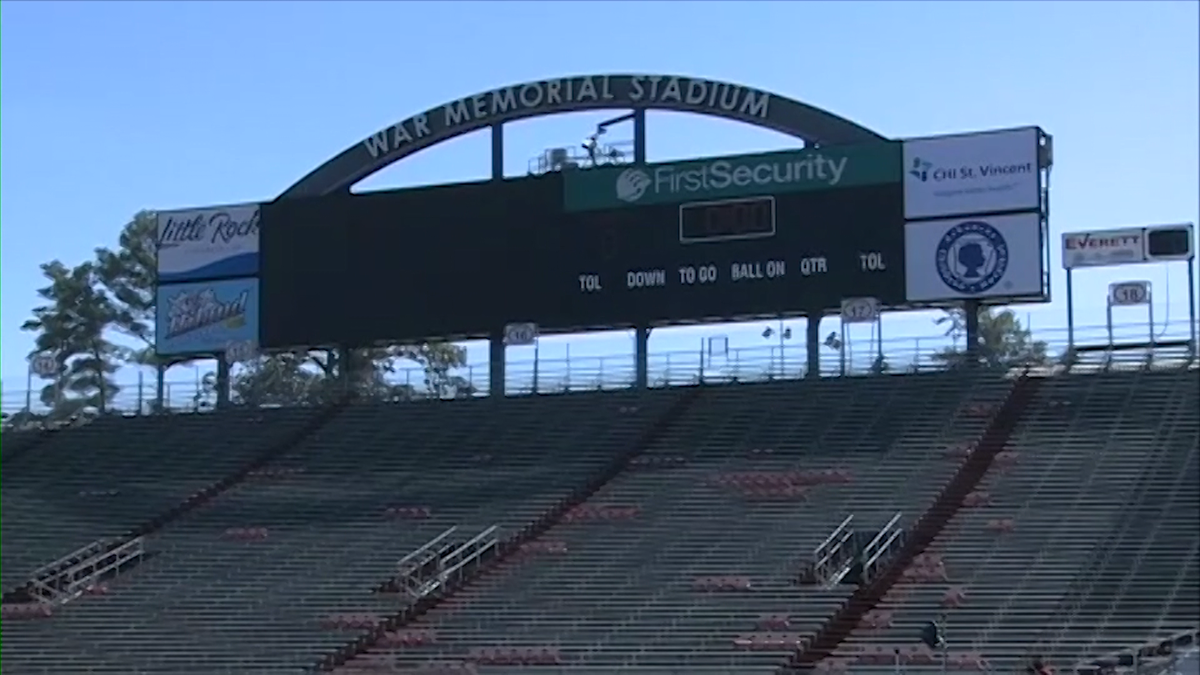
(1175, 242)
(725, 220)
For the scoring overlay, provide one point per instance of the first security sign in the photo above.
(989, 172)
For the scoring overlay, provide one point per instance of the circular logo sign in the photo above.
(44, 365)
(972, 257)
(632, 184)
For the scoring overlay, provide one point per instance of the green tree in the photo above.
(128, 275)
(1003, 341)
(314, 377)
(438, 360)
(71, 325)
(279, 379)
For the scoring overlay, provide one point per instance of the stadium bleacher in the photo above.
(656, 532)
(632, 593)
(1077, 463)
(114, 475)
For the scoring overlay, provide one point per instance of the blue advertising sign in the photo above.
(203, 317)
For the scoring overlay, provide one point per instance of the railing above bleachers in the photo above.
(687, 367)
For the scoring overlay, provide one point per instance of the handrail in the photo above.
(88, 550)
(873, 552)
(895, 519)
(57, 588)
(427, 546)
(420, 582)
(837, 530)
(472, 541)
(820, 557)
(474, 555)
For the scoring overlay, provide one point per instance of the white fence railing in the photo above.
(787, 361)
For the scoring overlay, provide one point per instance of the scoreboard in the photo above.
(741, 258)
(464, 260)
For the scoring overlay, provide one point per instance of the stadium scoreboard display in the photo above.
(911, 223)
(464, 260)
(738, 258)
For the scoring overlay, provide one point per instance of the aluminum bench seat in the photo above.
(1072, 482)
(624, 589)
(330, 541)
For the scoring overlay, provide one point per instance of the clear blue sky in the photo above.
(109, 108)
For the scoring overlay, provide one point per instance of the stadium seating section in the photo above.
(743, 528)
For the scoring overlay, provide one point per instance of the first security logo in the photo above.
(632, 184)
(972, 257)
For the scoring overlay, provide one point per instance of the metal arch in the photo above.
(780, 113)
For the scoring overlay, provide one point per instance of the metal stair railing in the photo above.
(60, 586)
(875, 550)
(829, 563)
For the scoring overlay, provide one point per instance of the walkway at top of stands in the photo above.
(781, 360)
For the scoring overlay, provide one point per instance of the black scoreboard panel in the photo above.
(738, 258)
(463, 260)
(396, 266)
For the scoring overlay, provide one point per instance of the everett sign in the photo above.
(1103, 248)
(738, 176)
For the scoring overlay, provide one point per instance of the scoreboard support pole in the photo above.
(498, 151)
(641, 340)
(639, 136)
(812, 343)
(641, 357)
(971, 320)
(224, 382)
(497, 354)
